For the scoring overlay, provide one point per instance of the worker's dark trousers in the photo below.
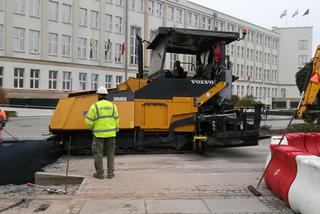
(102, 146)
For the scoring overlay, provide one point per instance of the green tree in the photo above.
(234, 99)
(302, 75)
(247, 101)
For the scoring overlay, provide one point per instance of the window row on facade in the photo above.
(59, 80)
(155, 8)
(258, 92)
(87, 48)
(250, 54)
(251, 73)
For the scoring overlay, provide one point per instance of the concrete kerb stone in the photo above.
(45, 178)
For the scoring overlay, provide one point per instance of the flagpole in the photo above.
(286, 20)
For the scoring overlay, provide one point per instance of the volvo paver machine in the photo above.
(157, 110)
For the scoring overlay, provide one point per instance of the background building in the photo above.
(295, 50)
(51, 47)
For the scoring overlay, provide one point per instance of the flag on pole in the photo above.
(284, 13)
(107, 46)
(306, 13)
(248, 78)
(122, 48)
(295, 13)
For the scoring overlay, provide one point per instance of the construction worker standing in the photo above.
(103, 120)
(3, 120)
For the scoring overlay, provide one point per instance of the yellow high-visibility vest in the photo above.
(103, 119)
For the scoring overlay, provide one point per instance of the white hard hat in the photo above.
(102, 90)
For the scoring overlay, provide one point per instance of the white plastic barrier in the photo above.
(304, 193)
(275, 140)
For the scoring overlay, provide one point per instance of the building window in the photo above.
(108, 50)
(94, 81)
(136, 5)
(53, 44)
(134, 44)
(192, 19)
(155, 8)
(83, 81)
(34, 44)
(1, 36)
(118, 80)
(18, 78)
(66, 13)
(119, 2)
(242, 52)
(151, 7)
(34, 78)
(179, 15)
(206, 23)
(93, 49)
(173, 59)
(53, 76)
(53, 11)
(35, 8)
(19, 6)
(117, 52)
(109, 22)
(108, 81)
(66, 45)
(83, 17)
(283, 92)
(170, 13)
(18, 39)
(118, 24)
(191, 62)
(94, 23)
(302, 60)
(66, 83)
(303, 44)
(242, 71)
(132, 4)
(1, 5)
(82, 48)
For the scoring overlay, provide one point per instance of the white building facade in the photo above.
(294, 52)
(49, 48)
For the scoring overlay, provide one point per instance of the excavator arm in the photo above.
(305, 110)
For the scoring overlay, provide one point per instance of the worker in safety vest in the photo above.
(103, 120)
(3, 120)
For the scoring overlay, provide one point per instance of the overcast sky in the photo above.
(267, 13)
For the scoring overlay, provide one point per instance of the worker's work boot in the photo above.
(98, 176)
(110, 174)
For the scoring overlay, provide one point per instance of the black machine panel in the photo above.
(166, 88)
(123, 96)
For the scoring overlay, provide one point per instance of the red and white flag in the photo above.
(122, 48)
(295, 13)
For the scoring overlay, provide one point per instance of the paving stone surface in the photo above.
(236, 205)
(114, 207)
